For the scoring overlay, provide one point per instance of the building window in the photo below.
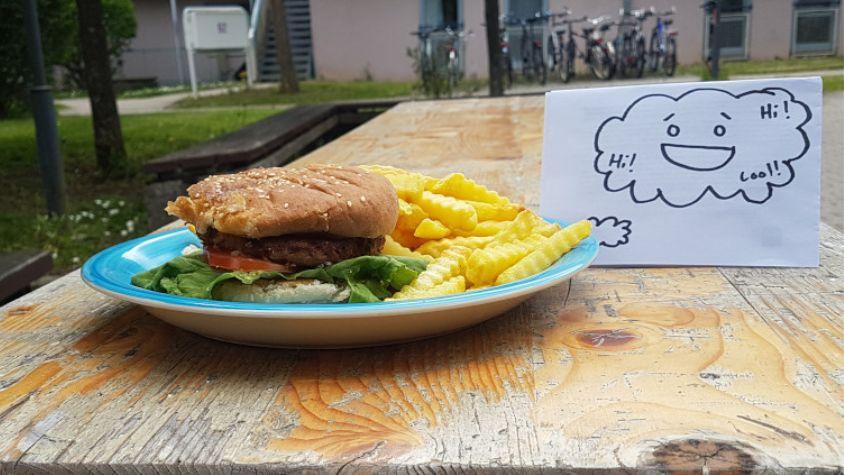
(734, 29)
(440, 14)
(815, 27)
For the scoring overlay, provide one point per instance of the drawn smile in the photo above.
(701, 158)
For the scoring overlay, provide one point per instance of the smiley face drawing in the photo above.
(702, 158)
(706, 141)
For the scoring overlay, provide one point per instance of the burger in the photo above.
(287, 235)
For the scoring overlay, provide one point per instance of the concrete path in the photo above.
(832, 164)
(145, 105)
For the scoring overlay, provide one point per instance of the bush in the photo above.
(59, 42)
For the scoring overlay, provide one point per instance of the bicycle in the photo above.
(433, 61)
(631, 43)
(663, 44)
(533, 63)
(597, 53)
(565, 48)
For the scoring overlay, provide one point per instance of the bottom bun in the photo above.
(282, 291)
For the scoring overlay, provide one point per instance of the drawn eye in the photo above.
(673, 130)
(720, 130)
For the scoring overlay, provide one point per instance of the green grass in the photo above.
(833, 83)
(311, 92)
(791, 65)
(96, 217)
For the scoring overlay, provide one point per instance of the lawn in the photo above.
(101, 211)
(791, 65)
(312, 92)
(833, 83)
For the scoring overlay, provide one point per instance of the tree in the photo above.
(120, 27)
(108, 137)
(493, 45)
(59, 37)
(288, 83)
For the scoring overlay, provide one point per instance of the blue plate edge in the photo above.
(144, 297)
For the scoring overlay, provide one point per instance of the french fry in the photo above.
(525, 224)
(484, 228)
(392, 248)
(406, 238)
(409, 185)
(459, 186)
(495, 212)
(453, 213)
(450, 264)
(431, 229)
(484, 265)
(453, 285)
(547, 253)
(410, 215)
(436, 248)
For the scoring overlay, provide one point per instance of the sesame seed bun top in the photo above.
(266, 202)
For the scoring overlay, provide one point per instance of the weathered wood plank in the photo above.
(245, 145)
(640, 369)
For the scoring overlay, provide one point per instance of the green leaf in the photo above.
(369, 278)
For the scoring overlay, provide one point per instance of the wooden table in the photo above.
(679, 368)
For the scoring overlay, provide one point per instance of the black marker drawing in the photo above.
(611, 231)
(707, 140)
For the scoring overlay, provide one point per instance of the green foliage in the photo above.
(771, 66)
(310, 92)
(83, 232)
(59, 42)
(833, 83)
(369, 278)
(120, 25)
(433, 76)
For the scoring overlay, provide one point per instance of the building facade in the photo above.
(362, 39)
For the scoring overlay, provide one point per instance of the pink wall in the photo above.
(770, 29)
(350, 37)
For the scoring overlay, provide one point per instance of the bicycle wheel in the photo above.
(453, 75)
(600, 62)
(640, 56)
(540, 68)
(624, 54)
(654, 53)
(669, 63)
(527, 68)
(508, 67)
(566, 63)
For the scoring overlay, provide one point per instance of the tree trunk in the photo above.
(493, 46)
(108, 137)
(287, 81)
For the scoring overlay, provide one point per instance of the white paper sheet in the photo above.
(724, 173)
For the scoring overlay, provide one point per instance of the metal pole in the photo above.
(44, 113)
(715, 41)
(174, 18)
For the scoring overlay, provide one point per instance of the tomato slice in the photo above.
(225, 260)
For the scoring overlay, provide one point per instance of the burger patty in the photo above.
(302, 250)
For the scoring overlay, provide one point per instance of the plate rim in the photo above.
(159, 300)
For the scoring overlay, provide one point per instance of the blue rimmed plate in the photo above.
(310, 325)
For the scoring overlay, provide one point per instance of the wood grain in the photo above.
(643, 369)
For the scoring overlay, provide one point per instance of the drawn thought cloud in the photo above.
(706, 141)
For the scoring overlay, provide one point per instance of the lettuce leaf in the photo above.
(369, 278)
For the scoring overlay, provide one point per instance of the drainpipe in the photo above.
(174, 18)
